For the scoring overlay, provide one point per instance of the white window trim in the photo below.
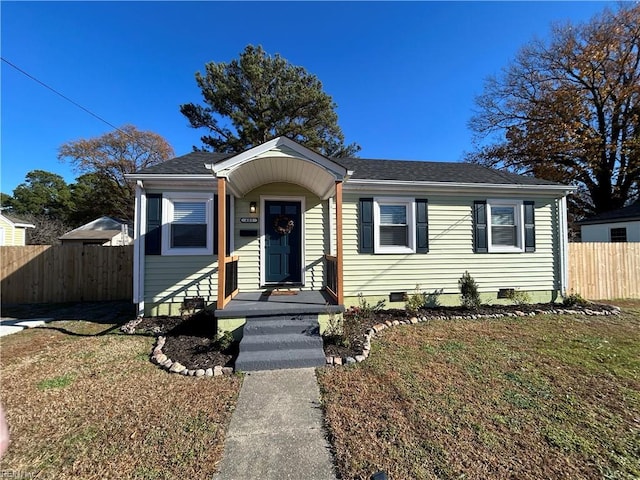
(167, 215)
(411, 224)
(519, 219)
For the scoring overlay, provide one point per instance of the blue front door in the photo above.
(283, 241)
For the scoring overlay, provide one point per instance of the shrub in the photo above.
(335, 331)
(364, 309)
(574, 299)
(518, 297)
(470, 298)
(224, 340)
(415, 301)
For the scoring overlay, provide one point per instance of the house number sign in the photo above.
(248, 220)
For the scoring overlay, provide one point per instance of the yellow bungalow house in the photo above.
(13, 230)
(282, 229)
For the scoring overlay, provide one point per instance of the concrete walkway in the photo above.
(276, 431)
(13, 325)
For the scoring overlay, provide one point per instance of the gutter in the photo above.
(453, 187)
(564, 247)
(139, 232)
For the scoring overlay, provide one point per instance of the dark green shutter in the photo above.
(529, 227)
(422, 226)
(215, 225)
(480, 226)
(153, 235)
(366, 225)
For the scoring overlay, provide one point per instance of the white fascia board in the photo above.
(177, 182)
(24, 225)
(407, 186)
(169, 177)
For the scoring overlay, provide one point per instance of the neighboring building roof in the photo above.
(100, 228)
(91, 235)
(371, 169)
(625, 214)
(17, 222)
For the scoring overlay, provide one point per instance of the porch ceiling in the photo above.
(280, 160)
(271, 169)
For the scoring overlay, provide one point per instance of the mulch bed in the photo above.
(191, 340)
(356, 336)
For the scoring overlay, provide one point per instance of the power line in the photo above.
(62, 95)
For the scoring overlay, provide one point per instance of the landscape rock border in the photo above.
(172, 366)
(371, 332)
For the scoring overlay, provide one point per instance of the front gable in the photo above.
(280, 160)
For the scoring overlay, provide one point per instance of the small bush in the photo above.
(518, 297)
(224, 340)
(469, 295)
(574, 299)
(335, 331)
(364, 309)
(415, 301)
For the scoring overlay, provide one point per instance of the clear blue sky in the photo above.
(404, 75)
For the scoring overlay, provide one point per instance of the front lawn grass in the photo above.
(538, 397)
(83, 401)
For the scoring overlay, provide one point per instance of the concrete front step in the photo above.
(280, 341)
(279, 359)
(283, 341)
(269, 325)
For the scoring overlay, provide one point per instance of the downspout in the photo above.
(564, 249)
(138, 248)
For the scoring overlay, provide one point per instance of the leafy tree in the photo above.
(94, 197)
(6, 200)
(42, 193)
(111, 156)
(568, 110)
(258, 97)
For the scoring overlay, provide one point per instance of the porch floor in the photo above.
(252, 304)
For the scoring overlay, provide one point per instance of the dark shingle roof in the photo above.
(14, 219)
(630, 212)
(407, 170)
(189, 164)
(401, 170)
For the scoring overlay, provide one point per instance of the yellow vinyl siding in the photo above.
(450, 254)
(172, 278)
(316, 241)
(13, 236)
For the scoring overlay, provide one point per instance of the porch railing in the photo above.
(230, 277)
(332, 276)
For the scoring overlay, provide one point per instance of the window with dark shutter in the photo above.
(422, 226)
(504, 226)
(153, 235)
(529, 227)
(365, 230)
(480, 242)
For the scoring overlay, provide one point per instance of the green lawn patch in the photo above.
(83, 401)
(546, 397)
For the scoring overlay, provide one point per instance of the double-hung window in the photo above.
(395, 225)
(506, 229)
(187, 224)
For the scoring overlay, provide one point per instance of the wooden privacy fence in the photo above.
(604, 270)
(51, 274)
